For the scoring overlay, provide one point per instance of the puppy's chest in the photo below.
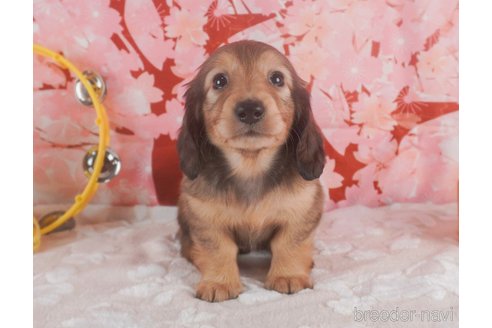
(254, 212)
(253, 225)
(273, 209)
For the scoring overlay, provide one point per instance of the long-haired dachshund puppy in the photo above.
(252, 155)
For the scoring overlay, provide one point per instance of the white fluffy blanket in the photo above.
(121, 267)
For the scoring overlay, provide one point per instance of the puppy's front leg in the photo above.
(215, 255)
(291, 261)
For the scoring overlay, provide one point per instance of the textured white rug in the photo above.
(121, 267)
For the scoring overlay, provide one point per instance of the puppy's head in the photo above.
(247, 98)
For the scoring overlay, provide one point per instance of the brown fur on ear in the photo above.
(192, 135)
(310, 151)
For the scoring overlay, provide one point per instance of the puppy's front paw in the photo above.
(217, 292)
(288, 285)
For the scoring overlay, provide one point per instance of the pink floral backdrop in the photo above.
(383, 77)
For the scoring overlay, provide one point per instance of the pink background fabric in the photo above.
(383, 77)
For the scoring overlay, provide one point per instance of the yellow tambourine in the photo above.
(90, 90)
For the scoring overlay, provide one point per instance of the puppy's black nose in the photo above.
(249, 111)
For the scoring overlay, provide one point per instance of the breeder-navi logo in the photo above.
(400, 315)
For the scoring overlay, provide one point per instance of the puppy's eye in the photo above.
(220, 81)
(277, 79)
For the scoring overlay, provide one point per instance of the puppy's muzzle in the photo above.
(249, 111)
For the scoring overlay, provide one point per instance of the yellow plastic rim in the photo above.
(90, 189)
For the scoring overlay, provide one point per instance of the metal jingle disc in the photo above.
(97, 83)
(111, 166)
(49, 218)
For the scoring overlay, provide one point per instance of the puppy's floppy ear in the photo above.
(310, 152)
(192, 134)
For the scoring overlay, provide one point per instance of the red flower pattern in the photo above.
(383, 77)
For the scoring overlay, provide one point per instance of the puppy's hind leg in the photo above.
(186, 244)
(184, 236)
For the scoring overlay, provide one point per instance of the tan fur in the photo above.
(294, 213)
(218, 222)
(248, 164)
(280, 207)
(247, 81)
